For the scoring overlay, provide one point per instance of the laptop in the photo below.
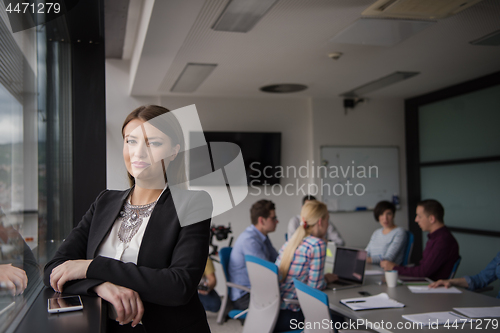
(349, 266)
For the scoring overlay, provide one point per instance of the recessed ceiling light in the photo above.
(335, 55)
(284, 88)
(417, 9)
(242, 15)
(192, 77)
(379, 84)
(380, 32)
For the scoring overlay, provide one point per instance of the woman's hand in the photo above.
(329, 277)
(13, 278)
(127, 303)
(68, 271)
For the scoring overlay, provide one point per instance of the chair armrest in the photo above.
(240, 314)
(234, 285)
(290, 301)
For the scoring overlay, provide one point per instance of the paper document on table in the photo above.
(373, 272)
(441, 318)
(439, 290)
(380, 301)
(483, 312)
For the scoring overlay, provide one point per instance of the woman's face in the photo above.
(386, 219)
(144, 147)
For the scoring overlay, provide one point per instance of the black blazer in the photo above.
(169, 266)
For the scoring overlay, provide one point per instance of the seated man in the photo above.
(441, 250)
(252, 241)
(208, 296)
(332, 234)
(478, 281)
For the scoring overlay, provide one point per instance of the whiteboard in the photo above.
(357, 178)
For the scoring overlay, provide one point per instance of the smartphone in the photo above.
(64, 304)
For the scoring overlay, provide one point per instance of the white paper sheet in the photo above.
(430, 318)
(380, 301)
(439, 290)
(373, 272)
(483, 312)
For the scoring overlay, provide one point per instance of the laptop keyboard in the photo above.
(341, 283)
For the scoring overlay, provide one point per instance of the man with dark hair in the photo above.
(332, 234)
(441, 250)
(252, 241)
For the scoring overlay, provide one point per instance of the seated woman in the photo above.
(303, 258)
(132, 248)
(485, 277)
(208, 296)
(388, 242)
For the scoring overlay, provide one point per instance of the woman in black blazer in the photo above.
(157, 291)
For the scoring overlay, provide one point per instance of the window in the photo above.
(35, 155)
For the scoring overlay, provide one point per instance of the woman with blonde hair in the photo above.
(303, 258)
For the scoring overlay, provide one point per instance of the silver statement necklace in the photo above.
(131, 217)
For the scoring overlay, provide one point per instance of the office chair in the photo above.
(265, 299)
(455, 267)
(224, 255)
(314, 304)
(409, 247)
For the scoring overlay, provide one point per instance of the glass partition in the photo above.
(462, 127)
(458, 163)
(35, 157)
(468, 193)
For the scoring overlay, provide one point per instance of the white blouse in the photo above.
(112, 247)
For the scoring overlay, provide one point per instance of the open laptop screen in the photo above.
(350, 264)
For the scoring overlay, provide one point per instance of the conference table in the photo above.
(387, 320)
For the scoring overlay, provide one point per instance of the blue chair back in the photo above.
(265, 298)
(319, 295)
(224, 255)
(455, 267)
(315, 306)
(409, 247)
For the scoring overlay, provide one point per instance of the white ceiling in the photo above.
(291, 45)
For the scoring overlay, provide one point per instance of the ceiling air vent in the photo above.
(417, 9)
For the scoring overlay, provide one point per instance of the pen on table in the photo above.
(355, 301)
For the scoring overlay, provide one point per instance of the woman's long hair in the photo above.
(311, 212)
(171, 127)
